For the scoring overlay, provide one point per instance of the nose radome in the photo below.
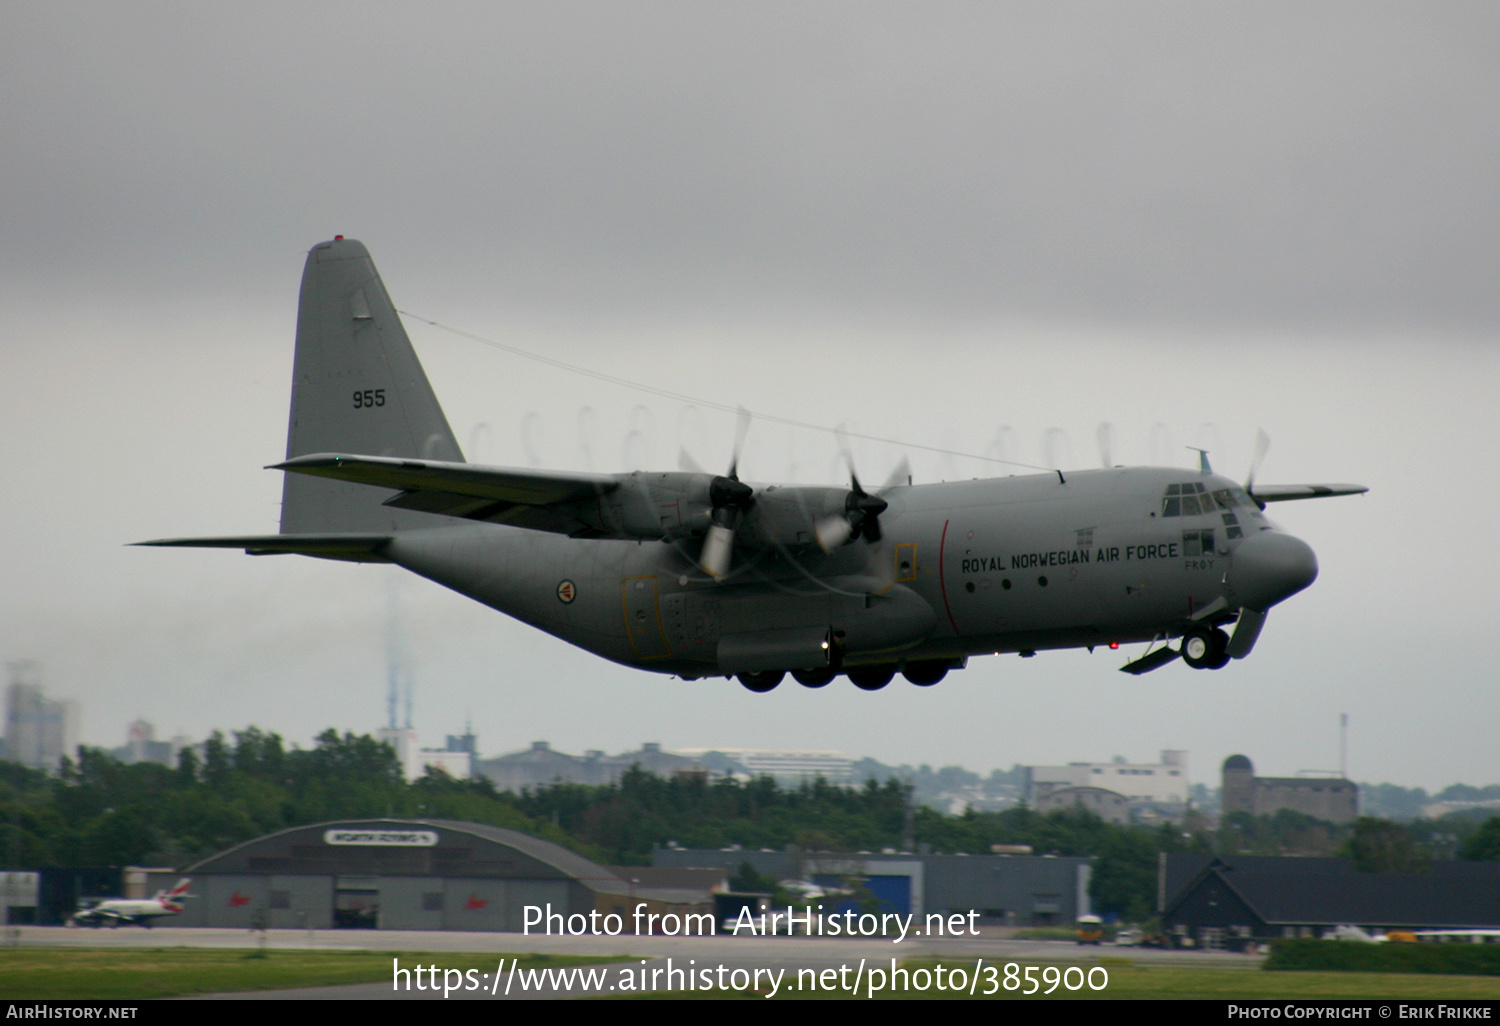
(1269, 567)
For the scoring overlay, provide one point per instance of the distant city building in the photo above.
(458, 765)
(1437, 810)
(787, 766)
(1333, 799)
(1161, 784)
(540, 765)
(38, 732)
(1109, 806)
(455, 760)
(141, 745)
(403, 741)
(465, 742)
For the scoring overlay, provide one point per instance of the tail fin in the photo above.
(169, 899)
(358, 388)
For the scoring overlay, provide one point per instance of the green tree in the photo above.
(1484, 844)
(1380, 846)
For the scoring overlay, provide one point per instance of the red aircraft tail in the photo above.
(167, 898)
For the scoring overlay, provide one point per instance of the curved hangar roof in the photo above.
(409, 847)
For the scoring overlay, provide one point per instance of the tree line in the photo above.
(99, 811)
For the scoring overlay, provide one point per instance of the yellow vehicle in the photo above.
(1090, 930)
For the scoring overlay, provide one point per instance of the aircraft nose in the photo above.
(1269, 567)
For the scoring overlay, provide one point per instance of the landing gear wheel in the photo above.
(871, 678)
(1205, 649)
(1219, 650)
(762, 682)
(926, 674)
(814, 678)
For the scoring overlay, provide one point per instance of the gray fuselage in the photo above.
(1010, 564)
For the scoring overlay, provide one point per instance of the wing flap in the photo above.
(1285, 493)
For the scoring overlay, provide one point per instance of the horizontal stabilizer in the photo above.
(354, 548)
(1285, 493)
(1151, 660)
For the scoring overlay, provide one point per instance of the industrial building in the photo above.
(1325, 797)
(407, 875)
(1159, 783)
(786, 766)
(1109, 806)
(1010, 889)
(541, 765)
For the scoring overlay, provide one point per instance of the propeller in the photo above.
(728, 497)
(1106, 436)
(862, 510)
(1262, 443)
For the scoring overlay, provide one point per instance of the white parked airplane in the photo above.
(139, 911)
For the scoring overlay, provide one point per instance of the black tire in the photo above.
(1198, 648)
(1219, 649)
(814, 678)
(925, 675)
(870, 678)
(762, 682)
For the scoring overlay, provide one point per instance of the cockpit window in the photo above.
(1186, 500)
(1192, 499)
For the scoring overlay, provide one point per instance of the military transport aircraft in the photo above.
(140, 911)
(698, 575)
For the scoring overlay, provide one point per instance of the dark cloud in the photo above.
(1249, 164)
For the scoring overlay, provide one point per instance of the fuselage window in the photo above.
(1198, 543)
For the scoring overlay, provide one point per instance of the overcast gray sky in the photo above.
(986, 227)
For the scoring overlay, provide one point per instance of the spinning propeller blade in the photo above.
(862, 510)
(728, 497)
(1262, 443)
(1106, 436)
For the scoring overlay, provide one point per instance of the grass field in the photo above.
(1127, 982)
(1137, 981)
(128, 974)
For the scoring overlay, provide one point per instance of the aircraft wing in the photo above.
(1285, 493)
(504, 495)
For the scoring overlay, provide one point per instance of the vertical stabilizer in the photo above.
(357, 388)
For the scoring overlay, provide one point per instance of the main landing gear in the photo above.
(866, 678)
(1204, 649)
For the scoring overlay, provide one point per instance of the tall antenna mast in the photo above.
(1344, 745)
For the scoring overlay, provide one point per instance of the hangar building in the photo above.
(402, 875)
(1010, 889)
